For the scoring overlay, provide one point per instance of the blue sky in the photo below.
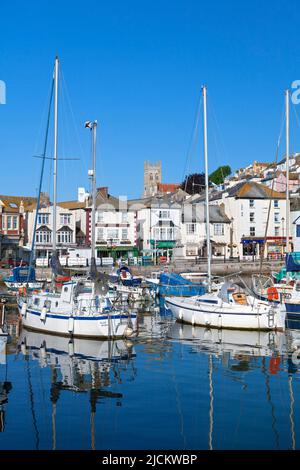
(138, 67)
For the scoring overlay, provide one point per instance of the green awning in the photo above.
(162, 244)
(116, 248)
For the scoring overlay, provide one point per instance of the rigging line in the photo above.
(211, 404)
(68, 99)
(269, 399)
(40, 183)
(37, 436)
(270, 201)
(218, 128)
(193, 138)
(292, 400)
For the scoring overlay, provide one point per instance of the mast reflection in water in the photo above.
(173, 387)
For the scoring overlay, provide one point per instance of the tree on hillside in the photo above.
(194, 183)
(218, 176)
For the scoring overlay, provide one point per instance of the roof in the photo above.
(161, 200)
(168, 187)
(196, 213)
(72, 205)
(13, 203)
(251, 190)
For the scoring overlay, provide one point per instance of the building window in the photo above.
(190, 229)
(276, 231)
(124, 234)
(65, 219)
(297, 230)
(252, 216)
(164, 214)
(218, 229)
(251, 202)
(8, 221)
(15, 222)
(64, 236)
(276, 217)
(100, 234)
(100, 217)
(276, 203)
(112, 233)
(124, 217)
(43, 219)
(252, 231)
(43, 236)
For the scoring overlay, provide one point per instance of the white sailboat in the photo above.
(228, 308)
(77, 309)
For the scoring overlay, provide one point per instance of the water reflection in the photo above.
(234, 342)
(77, 365)
(174, 386)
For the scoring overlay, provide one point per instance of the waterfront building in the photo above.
(159, 224)
(115, 227)
(247, 205)
(65, 234)
(193, 241)
(13, 227)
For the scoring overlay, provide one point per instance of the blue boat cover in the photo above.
(23, 274)
(292, 261)
(174, 279)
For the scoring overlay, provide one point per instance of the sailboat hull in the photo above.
(110, 325)
(217, 316)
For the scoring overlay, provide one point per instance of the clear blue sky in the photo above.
(138, 67)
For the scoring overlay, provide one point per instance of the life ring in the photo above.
(272, 294)
(274, 365)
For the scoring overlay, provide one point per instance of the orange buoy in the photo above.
(272, 294)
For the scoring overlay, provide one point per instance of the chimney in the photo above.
(103, 191)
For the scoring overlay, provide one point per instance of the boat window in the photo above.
(298, 287)
(36, 301)
(208, 301)
(56, 304)
(65, 289)
(47, 304)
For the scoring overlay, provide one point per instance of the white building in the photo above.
(249, 205)
(115, 227)
(193, 233)
(159, 224)
(65, 233)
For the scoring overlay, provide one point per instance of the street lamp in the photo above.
(231, 238)
(282, 228)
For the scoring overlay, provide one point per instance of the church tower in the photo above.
(152, 176)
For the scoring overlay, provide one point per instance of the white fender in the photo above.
(43, 314)
(193, 319)
(71, 347)
(180, 315)
(71, 325)
(24, 309)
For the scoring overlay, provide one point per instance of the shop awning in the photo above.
(254, 240)
(162, 244)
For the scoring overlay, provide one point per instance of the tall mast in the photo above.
(93, 237)
(92, 173)
(55, 152)
(206, 190)
(287, 160)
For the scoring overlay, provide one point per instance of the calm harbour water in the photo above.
(173, 387)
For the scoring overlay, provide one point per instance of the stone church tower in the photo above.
(152, 176)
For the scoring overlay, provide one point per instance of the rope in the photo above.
(270, 201)
(193, 140)
(40, 183)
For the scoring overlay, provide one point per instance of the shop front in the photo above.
(252, 247)
(116, 252)
(162, 250)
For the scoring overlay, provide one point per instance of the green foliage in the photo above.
(220, 174)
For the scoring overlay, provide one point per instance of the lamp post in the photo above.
(282, 228)
(231, 238)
